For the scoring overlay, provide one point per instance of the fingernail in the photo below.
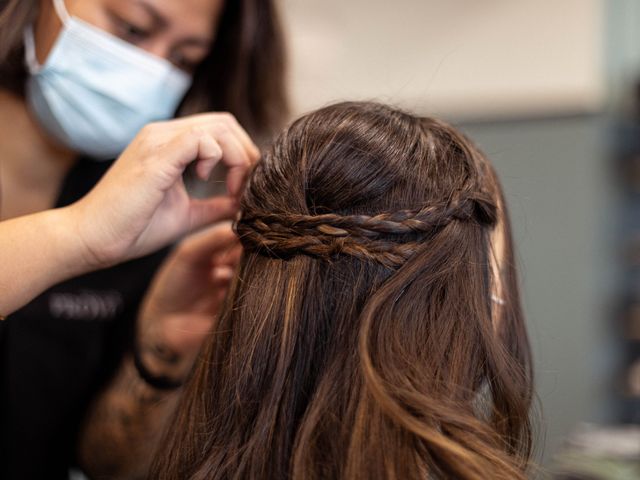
(222, 273)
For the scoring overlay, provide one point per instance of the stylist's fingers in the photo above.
(209, 154)
(216, 137)
(202, 246)
(203, 212)
(230, 121)
(162, 151)
(229, 257)
(192, 143)
(243, 136)
(239, 152)
(237, 159)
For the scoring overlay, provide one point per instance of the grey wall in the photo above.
(557, 177)
(558, 174)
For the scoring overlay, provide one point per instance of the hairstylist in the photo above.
(86, 366)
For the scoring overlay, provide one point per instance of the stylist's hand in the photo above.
(182, 304)
(141, 203)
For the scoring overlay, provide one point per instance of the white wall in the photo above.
(462, 58)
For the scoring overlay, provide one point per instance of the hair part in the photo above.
(331, 361)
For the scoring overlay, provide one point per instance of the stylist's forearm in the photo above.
(37, 251)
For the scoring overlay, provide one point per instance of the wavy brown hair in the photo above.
(374, 329)
(244, 72)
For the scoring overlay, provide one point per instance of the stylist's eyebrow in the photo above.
(159, 20)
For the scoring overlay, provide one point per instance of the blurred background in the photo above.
(550, 91)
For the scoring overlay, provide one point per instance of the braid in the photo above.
(329, 235)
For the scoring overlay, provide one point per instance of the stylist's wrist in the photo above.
(153, 341)
(157, 356)
(151, 361)
(72, 243)
(94, 251)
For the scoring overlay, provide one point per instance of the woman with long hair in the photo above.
(374, 329)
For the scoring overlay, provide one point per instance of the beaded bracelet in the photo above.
(159, 382)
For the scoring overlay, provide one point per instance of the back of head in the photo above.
(374, 329)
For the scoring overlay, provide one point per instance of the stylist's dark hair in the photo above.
(374, 329)
(243, 73)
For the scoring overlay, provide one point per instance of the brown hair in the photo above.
(243, 73)
(360, 339)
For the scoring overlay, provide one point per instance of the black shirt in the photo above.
(59, 350)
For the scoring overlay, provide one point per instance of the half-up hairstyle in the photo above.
(374, 330)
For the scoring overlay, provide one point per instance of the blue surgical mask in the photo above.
(95, 91)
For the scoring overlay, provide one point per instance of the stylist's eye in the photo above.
(184, 63)
(130, 32)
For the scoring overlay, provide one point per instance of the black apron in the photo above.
(57, 352)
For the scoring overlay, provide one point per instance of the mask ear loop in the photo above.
(31, 59)
(61, 10)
